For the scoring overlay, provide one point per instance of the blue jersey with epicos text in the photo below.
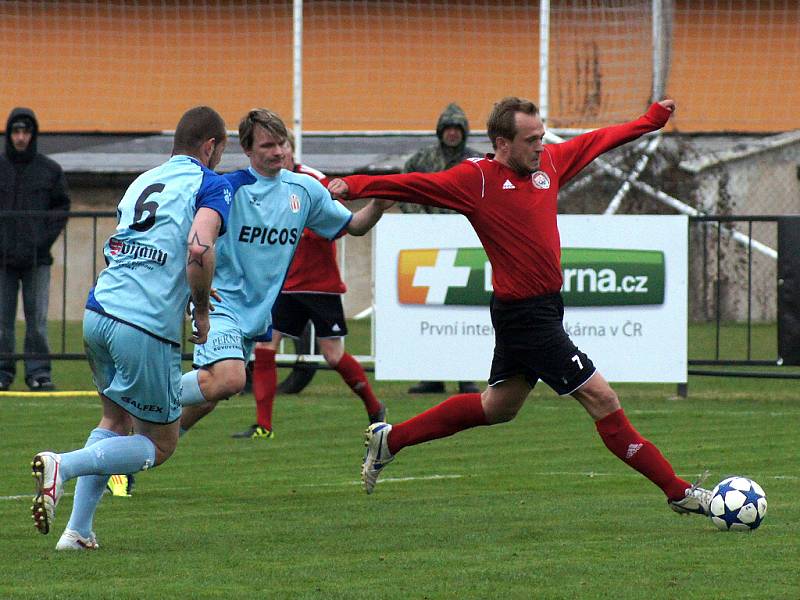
(144, 283)
(266, 221)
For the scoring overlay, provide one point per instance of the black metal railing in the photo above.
(728, 251)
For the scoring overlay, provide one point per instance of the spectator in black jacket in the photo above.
(28, 181)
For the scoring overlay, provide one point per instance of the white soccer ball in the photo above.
(737, 504)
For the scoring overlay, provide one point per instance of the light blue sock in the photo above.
(191, 393)
(88, 491)
(120, 454)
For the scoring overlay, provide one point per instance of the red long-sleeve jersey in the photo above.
(314, 267)
(513, 215)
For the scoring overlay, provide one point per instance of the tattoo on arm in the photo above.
(195, 252)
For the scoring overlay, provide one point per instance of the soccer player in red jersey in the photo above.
(312, 291)
(510, 198)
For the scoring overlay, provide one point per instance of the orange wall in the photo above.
(86, 66)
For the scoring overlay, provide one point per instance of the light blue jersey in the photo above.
(266, 222)
(144, 283)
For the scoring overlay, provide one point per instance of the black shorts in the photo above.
(530, 340)
(291, 312)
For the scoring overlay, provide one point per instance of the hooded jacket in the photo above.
(29, 181)
(440, 156)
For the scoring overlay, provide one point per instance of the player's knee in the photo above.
(163, 454)
(608, 400)
(224, 383)
(603, 402)
(502, 414)
(331, 359)
(332, 352)
(164, 449)
(502, 402)
(499, 412)
(232, 383)
(206, 407)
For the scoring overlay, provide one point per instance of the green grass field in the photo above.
(536, 508)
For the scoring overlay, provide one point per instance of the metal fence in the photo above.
(742, 270)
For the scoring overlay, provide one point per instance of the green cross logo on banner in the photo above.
(592, 277)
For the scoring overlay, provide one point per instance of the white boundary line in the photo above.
(589, 474)
(383, 480)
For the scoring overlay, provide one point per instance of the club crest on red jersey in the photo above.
(294, 203)
(541, 180)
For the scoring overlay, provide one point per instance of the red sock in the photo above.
(631, 448)
(458, 412)
(354, 376)
(265, 380)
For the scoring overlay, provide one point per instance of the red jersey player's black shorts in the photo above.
(530, 340)
(291, 312)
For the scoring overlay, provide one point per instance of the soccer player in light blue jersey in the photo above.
(168, 223)
(270, 209)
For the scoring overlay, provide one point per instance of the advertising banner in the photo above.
(624, 288)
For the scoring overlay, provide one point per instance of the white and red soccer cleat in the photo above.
(46, 467)
(72, 540)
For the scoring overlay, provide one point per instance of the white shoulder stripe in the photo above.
(475, 162)
(552, 162)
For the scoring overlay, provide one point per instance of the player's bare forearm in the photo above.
(201, 258)
(199, 273)
(199, 276)
(365, 219)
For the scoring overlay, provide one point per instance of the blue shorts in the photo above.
(135, 370)
(225, 342)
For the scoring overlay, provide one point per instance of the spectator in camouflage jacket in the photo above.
(452, 131)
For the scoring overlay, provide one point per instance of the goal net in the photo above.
(91, 65)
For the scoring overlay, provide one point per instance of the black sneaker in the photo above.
(5, 385)
(253, 432)
(427, 387)
(40, 383)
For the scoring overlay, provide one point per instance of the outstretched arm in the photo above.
(457, 188)
(200, 268)
(572, 156)
(363, 220)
